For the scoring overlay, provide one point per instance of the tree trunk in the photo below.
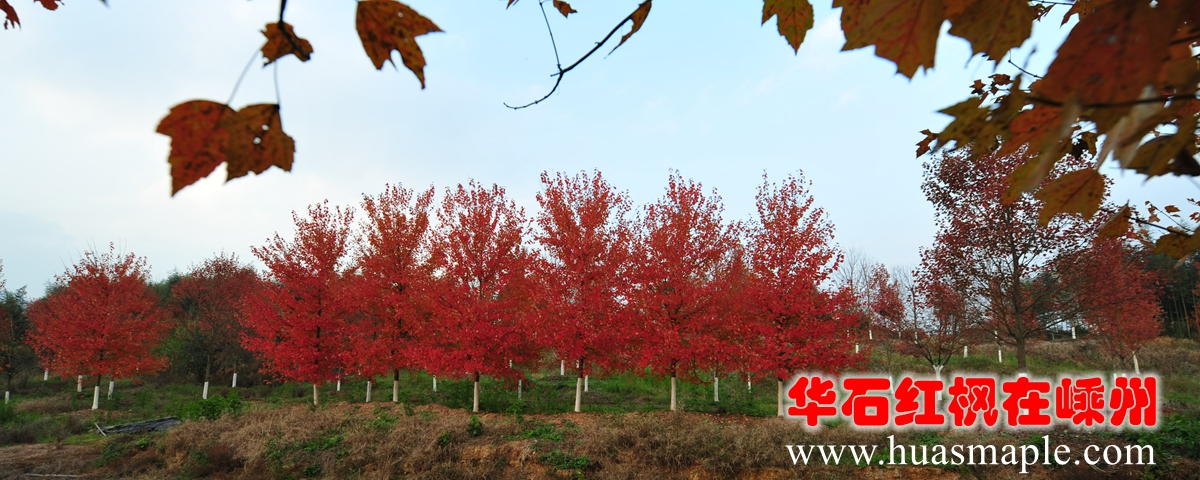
(475, 404)
(79, 384)
(585, 383)
(111, 386)
(520, 383)
(716, 387)
(204, 394)
(674, 404)
(779, 397)
(562, 368)
(435, 384)
(578, 393)
(1021, 356)
(234, 379)
(368, 391)
(316, 395)
(1136, 369)
(96, 395)
(338, 387)
(395, 385)
(964, 351)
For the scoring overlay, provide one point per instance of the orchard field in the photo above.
(460, 338)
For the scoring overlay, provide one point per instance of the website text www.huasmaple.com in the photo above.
(1024, 456)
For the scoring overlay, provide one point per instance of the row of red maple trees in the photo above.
(472, 287)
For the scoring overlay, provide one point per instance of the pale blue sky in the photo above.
(702, 88)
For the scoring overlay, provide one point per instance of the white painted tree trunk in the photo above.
(964, 351)
(339, 385)
(1136, 370)
(79, 384)
(716, 388)
(870, 334)
(674, 403)
(585, 383)
(749, 386)
(96, 398)
(475, 404)
(45, 375)
(562, 368)
(578, 393)
(111, 386)
(205, 393)
(435, 384)
(316, 395)
(368, 391)
(395, 390)
(234, 379)
(1072, 332)
(1000, 355)
(779, 397)
(856, 348)
(520, 384)
(6, 396)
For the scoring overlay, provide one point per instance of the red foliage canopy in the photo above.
(100, 318)
(395, 276)
(681, 266)
(210, 299)
(801, 325)
(481, 289)
(297, 326)
(587, 240)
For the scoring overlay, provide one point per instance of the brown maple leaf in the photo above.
(639, 17)
(283, 42)
(256, 141)
(794, 18)
(903, 31)
(1079, 192)
(49, 4)
(994, 26)
(386, 25)
(1116, 225)
(10, 15)
(564, 8)
(198, 141)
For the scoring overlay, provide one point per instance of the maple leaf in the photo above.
(1126, 37)
(923, 145)
(563, 7)
(994, 26)
(256, 141)
(197, 140)
(1117, 225)
(1080, 191)
(283, 42)
(49, 4)
(794, 18)
(970, 125)
(1177, 245)
(903, 31)
(386, 25)
(639, 17)
(10, 15)
(1082, 8)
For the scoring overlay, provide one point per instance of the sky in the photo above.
(702, 88)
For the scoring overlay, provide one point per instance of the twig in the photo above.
(299, 52)
(1130, 103)
(1140, 221)
(100, 429)
(1048, 2)
(1027, 72)
(253, 57)
(562, 71)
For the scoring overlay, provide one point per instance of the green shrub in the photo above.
(564, 461)
(213, 407)
(474, 426)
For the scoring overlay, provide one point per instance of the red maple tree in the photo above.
(297, 325)
(586, 240)
(791, 254)
(481, 288)
(1115, 295)
(395, 269)
(209, 301)
(100, 318)
(995, 245)
(681, 262)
